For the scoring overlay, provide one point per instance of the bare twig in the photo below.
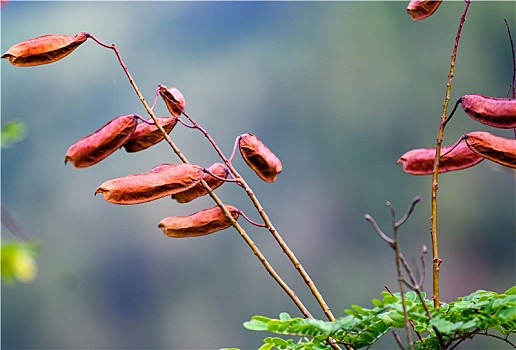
(13, 225)
(398, 340)
(513, 85)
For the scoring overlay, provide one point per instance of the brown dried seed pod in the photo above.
(259, 157)
(103, 142)
(421, 9)
(495, 148)
(170, 96)
(421, 161)
(157, 183)
(492, 111)
(43, 49)
(201, 223)
(198, 190)
(147, 135)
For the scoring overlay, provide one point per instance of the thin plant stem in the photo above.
(235, 224)
(13, 225)
(397, 252)
(513, 83)
(267, 222)
(435, 247)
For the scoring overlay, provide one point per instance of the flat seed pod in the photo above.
(492, 111)
(157, 183)
(201, 223)
(198, 190)
(421, 161)
(43, 49)
(170, 96)
(495, 148)
(103, 142)
(259, 157)
(147, 135)
(421, 9)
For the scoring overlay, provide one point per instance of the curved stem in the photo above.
(435, 247)
(235, 224)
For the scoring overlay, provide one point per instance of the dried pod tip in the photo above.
(174, 100)
(421, 9)
(43, 49)
(259, 157)
(200, 223)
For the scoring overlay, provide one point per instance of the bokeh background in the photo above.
(338, 90)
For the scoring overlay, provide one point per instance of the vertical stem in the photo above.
(435, 247)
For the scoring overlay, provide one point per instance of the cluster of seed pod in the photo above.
(183, 182)
(473, 147)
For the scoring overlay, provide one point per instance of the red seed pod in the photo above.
(492, 111)
(173, 98)
(259, 157)
(103, 142)
(421, 9)
(43, 49)
(157, 183)
(201, 223)
(147, 135)
(198, 190)
(455, 157)
(495, 148)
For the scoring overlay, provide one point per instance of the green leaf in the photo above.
(18, 263)
(266, 347)
(511, 291)
(12, 132)
(284, 316)
(442, 326)
(376, 302)
(255, 325)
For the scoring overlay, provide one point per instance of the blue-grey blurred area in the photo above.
(338, 90)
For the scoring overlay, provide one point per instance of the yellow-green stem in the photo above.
(435, 185)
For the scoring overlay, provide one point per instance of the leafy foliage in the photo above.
(449, 325)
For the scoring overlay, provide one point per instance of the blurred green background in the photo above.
(338, 90)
